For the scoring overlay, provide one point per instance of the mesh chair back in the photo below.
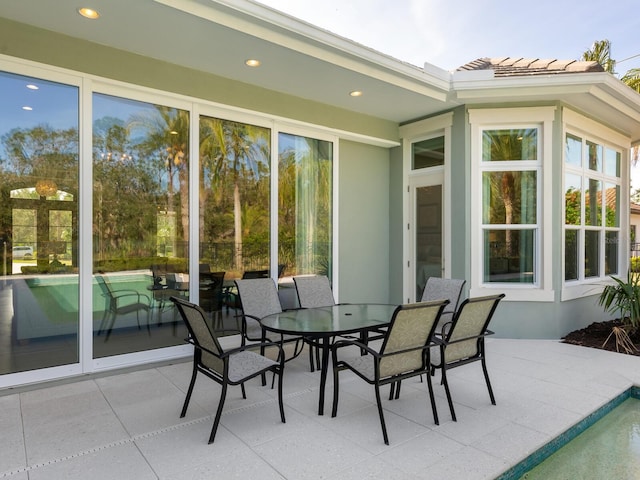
(201, 334)
(314, 291)
(444, 288)
(411, 328)
(259, 297)
(471, 321)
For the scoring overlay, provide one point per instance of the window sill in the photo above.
(514, 293)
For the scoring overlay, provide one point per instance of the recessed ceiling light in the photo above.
(27, 108)
(252, 62)
(31, 86)
(356, 93)
(88, 13)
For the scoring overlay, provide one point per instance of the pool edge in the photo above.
(542, 453)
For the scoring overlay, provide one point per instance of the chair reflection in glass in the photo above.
(211, 296)
(121, 302)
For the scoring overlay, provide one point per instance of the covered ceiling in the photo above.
(297, 58)
(219, 36)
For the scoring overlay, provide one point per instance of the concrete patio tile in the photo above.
(11, 440)
(471, 425)
(127, 425)
(579, 401)
(76, 412)
(319, 454)
(467, 463)
(258, 424)
(115, 463)
(511, 443)
(374, 469)
(363, 428)
(548, 419)
(415, 456)
(145, 400)
(183, 452)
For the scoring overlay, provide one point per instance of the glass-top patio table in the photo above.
(321, 324)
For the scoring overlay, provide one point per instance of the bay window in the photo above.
(592, 188)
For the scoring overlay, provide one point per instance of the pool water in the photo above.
(608, 449)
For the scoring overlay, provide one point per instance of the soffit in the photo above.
(598, 95)
(218, 36)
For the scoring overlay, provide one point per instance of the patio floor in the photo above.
(127, 425)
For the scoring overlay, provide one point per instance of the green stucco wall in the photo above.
(363, 223)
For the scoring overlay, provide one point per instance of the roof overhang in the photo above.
(599, 95)
(217, 36)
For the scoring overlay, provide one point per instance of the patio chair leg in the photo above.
(185, 405)
(446, 389)
(244, 393)
(214, 429)
(311, 362)
(432, 397)
(381, 414)
(279, 370)
(336, 386)
(486, 377)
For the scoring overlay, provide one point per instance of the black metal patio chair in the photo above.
(226, 367)
(404, 353)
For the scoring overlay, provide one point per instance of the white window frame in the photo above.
(513, 118)
(590, 130)
(89, 84)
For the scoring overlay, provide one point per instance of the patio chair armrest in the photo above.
(458, 340)
(252, 346)
(131, 293)
(357, 343)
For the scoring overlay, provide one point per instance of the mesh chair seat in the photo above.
(246, 363)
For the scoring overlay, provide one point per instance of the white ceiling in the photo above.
(218, 36)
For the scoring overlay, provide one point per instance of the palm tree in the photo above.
(601, 52)
(239, 150)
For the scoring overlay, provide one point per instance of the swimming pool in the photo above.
(604, 445)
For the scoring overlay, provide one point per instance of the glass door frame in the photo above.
(412, 179)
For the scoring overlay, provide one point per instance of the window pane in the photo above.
(591, 253)
(509, 198)
(595, 156)
(428, 153)
(572, 199)
(140, 223)
(593, 204)
(234, 196)
(509, 144)
(573, 151)
(571, 254)
(509, 256)
(305, 204)
(612, 163)
(612, 206)
(39, 181)
(611, 253)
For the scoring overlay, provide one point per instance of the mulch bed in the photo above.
(596, 334)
